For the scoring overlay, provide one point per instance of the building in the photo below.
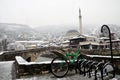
(115, 44)
(3, 42)
(91, 42)
(15, 46)
(34, 44)
(73, 38)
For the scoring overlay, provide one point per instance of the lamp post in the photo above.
(106, 32)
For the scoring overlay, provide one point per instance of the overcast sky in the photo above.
(59, 12)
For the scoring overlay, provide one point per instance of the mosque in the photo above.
(73, 39)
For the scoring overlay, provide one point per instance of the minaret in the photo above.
(80, 21)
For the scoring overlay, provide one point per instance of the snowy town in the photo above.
(58, 52)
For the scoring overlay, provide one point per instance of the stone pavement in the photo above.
(51, 77)
(69, 76)
(6, 69)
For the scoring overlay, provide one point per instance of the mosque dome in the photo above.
(72, 33)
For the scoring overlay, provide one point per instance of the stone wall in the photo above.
(23, 70)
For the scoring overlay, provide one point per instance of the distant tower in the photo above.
(80, 21)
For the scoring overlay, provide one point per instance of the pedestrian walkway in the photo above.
(69, 76)
(6, 70)
(51, 77)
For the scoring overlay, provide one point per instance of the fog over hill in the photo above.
(24, 32)
(61, 30)
(56, 29)
(16, 31)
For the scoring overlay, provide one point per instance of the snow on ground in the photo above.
(51, 77)
(6, 70)
(69, 76)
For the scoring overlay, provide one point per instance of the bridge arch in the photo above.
(31, 53)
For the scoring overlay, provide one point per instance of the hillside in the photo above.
(114, 29)
(16, 31)
(23, 32)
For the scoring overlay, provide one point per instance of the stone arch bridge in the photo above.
(33, 54)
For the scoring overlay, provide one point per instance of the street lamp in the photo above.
(106, 32)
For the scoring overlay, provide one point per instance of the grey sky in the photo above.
(59, 12)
